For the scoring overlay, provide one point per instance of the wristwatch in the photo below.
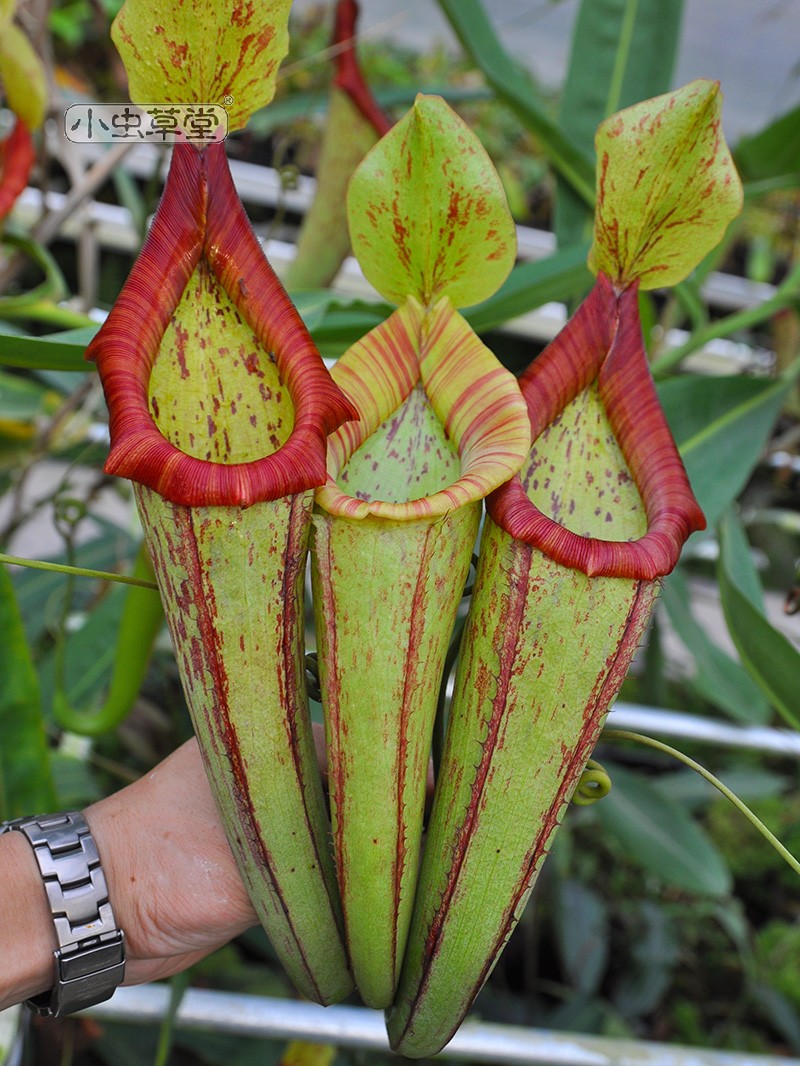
(90, 958)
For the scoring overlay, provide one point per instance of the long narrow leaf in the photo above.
(659, 835)
(561, 276)
(623, 51)
(302, 105)
(58, 351)
(772, 153)
(721, 426)
(477, 35)
(719, 679)
(26, 783)
(771, 660)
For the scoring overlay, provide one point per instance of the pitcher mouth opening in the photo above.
(603, 344)
(201, 217)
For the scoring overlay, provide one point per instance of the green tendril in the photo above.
(624, 734)
(77, 571)
(594, 783)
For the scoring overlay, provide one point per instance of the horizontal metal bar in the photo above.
(357, 1027)
(262, 185)
(704, 730)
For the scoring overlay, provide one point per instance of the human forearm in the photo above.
(171, 878)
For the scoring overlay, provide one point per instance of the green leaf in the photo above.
(748, 781)
(26, 783)
(719, 679)
(199, 52)
(516, 89)
(770, 658)
(772, 153)
(666, 187)
(779, 1011)
(560, 276)
(661, 837)
(302, 105)
(623, 51)
(38, 590)
(738, 560)
(56, 351)
(427, 212)
(336, 322)
(721, 425)
(23, 76)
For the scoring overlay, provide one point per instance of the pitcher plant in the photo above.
(441, 424)
(571, 555)
(219, 409)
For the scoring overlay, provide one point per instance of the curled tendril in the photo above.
(658, 745)
(69, 511)
(594, 783)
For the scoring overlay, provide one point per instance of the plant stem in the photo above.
(650, 742)
(76, 571)
(785, 293)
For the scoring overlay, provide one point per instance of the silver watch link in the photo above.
(90, 958)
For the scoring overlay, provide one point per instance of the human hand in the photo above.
(172, 879)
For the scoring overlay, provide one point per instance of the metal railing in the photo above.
(358, 1027)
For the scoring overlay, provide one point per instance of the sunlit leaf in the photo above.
(428, 215)
(622, 51)
(666, 187)
(560, 276)
(304, 1053)
(193, 53)
(324, 240)
(516, 88)
(22, 399)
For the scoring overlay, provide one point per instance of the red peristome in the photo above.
(348, 72)
(200, 215)
(603, 342)
(16, 159)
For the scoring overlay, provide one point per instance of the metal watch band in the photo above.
(90, 959)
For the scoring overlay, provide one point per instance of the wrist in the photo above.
(89, 960)
(27, 935)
